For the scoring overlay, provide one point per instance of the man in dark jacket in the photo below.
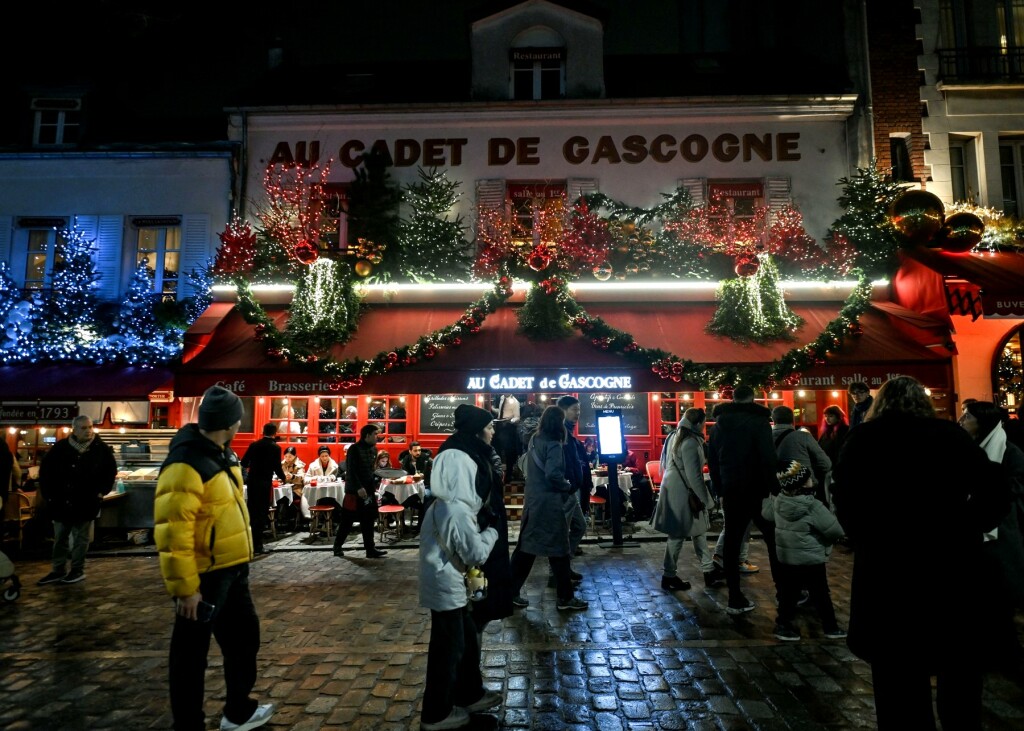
(262, 460)
(360, 488)
(742, 463)
(74, 476)
(862, 400)
(578, 477)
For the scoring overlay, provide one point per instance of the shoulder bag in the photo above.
(696, 504)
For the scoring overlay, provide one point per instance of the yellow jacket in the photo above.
(201, 522)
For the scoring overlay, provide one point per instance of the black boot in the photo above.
(674, 583)
(714, 577)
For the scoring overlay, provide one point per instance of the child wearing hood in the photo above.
(805, 531)
(450, 542)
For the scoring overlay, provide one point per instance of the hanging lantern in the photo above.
(363, 268)
(961, 233)
(746, 265)
(603, 271)
(917, 216)
(305, 252)
(539, 258)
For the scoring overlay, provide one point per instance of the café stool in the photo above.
(320, 517)
(272, 517)
(596, 502)
(383, 512)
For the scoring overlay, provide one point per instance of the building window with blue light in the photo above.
(160, 246)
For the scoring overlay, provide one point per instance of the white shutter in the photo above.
(576, 188)
(196, 249)
(490, 193)
(778, 193)
(109, 249)
(696, 187)
(6, 234)
(87, 225)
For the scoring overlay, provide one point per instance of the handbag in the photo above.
(696, 504)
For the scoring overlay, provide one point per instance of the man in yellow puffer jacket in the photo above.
(203, 536)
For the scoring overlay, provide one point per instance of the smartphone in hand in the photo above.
(204, 612)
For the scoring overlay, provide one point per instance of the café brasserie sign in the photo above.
(498, 382)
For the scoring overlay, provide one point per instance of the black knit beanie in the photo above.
(220, 409)
(471, 419)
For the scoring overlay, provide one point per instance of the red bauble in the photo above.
(539, 258)
(306, 252)
(747, 265)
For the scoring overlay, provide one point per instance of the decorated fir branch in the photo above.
(751, 308)
(542, 316)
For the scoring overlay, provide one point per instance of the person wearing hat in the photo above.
(460, 530)
(201, 530)
(805, 531)
(262, 461)
(323, 466)
(360, 493)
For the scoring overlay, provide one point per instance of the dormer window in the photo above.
(56, 122)
(537, 65)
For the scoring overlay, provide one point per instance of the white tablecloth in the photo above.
(404, 490)
(625, 482)
(310, 494)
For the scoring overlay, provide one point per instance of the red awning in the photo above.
(73, 382)
(998, 278)
(235, 359)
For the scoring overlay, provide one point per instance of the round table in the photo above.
(404, 490)
(625, 482)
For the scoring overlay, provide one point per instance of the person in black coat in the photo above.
(74, 476)
(360, 492)
(906, 470)
(262, 460)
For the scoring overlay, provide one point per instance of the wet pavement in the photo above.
(344, 646)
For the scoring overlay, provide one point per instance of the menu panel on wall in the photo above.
(633, 407)
(437, 413)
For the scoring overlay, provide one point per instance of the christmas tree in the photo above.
(373, 211)
(70, 309)
(201, 281)
(432, 241)
(752, 309)
(237, 251)
(865, 222)
(321, 313)
(136, 321)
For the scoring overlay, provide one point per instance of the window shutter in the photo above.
(779, 195)
(490, 193)
(196, 249)
(695, 186)
(109, 247)
(6, 234)
(87, 225)
(576, 188)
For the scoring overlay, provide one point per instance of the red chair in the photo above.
(654, 475)
(396, 511)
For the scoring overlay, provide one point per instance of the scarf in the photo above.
(480, 452)
(80, 447)
(995, 447)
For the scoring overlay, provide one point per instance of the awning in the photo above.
(989, 284)
(235, 359)
(74, 382)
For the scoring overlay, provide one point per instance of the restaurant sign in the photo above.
(37, 413)
(998, 306)
(500, 382)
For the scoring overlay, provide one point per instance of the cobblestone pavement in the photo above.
(344, 647)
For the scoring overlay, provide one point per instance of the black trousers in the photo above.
(739, 512)
(522, 564)
(903, 696)
(367, 517)
(237, 629)
(258, 504)
(453, 664)
(791, 579)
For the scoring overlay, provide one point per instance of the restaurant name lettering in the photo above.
(678, 148)
(25, 413)
(555, 382)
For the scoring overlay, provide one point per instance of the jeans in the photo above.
(237, 629)
(673, 546)
(739, 512)
(70, 539)
(367, 516)
(791, 579)
(453, 664)
(744, 547)
(522, 564)
(903, 696)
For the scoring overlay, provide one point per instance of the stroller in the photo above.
(12, 592)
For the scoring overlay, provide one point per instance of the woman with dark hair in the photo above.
(1003, 569)
(832, 432)
(905, 464)
(545, 526)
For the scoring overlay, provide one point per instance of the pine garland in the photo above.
(752, 309)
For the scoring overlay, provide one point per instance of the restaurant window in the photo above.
(158, 243)
(739, 208)
(538, 72)
(292, 418)
(538, 212)
(43, 251)
(332, 210)
(1011, 153)
(337, 419)
(31, 444)
(1008, 375)
(56, 122)
(190, 413)
(388, 413)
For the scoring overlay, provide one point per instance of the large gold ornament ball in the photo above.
(603, 272)
(917, 216)
(961, 232)
(363, 268)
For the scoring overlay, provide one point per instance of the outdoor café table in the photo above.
(403, 490)
(625, 482)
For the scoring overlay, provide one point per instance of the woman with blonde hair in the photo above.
(904, 469)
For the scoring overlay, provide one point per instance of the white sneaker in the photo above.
(260, 716)
(456, 719)
(488, 700)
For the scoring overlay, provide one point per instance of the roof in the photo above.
(81, 382)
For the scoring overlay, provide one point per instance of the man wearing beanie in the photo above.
(262, 461)
(360, 493)
(203, 536)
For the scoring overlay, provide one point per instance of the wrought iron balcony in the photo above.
(988, 64)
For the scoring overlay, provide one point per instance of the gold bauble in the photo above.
(363, 268)
(917, 216)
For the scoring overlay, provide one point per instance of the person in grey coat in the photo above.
(545, 528)
(451, 542)
(682, 473)
(805, 531)
(796, 444)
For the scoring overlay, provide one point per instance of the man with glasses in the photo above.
(862, 400)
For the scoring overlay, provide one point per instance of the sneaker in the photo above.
(572, 604)
(836, 633)
(259, 717)
(520, 601)
(715, 577)
(376, 553)
(748, 568)
(718, 561)
(674, 583)
(456, 719)
(51, 578)
(74, 577)
(742, 606)
(488, 700)
(786, 633)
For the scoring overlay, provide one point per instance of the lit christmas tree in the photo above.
(10, 294)
(322, 311)
(865, 223)
(136, 321)
(201, 281)
(752, 308)
(70, 309)
(373, 211)
(237, 250)
(432, 241)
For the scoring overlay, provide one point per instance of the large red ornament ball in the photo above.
(539, 258)
(306, 252)
(917, 216)
(363, 268)
(747, 265)
(961, 233)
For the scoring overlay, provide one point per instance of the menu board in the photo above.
(437, 413)
(632, 405)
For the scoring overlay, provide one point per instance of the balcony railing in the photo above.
(981, 64)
